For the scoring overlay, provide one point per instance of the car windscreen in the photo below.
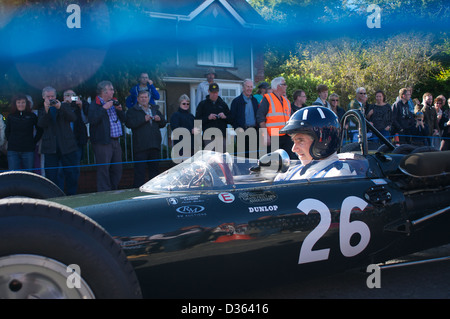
(208, 170)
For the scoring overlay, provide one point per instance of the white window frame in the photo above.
(214, 49)
(230, 86)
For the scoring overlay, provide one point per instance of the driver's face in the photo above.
(302, 144)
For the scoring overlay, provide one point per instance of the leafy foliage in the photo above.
(410, 50)
(346, 64)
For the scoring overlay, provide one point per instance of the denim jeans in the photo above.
(20, 160)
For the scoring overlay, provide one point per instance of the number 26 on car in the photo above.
(347, 229)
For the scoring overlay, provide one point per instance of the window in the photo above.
(229, 92)
(216, 54)
(162, 102)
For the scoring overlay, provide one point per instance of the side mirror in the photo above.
(273, 163)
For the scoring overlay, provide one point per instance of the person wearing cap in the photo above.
(273, 113)
(315, 131)
(214, 113)
(203, 87)
(263, 88)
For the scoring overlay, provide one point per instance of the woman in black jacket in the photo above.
(183, 119)
(21, 125)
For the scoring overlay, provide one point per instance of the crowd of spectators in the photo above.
(407, 120)
(54, 134)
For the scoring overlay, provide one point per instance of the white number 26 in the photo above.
(347, 229)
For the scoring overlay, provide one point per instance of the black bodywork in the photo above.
(216, 223)
(252, 230)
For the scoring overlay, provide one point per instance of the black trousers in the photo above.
(146, 159)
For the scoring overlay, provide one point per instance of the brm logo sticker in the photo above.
(190, 211)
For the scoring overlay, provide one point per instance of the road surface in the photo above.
(421, 281)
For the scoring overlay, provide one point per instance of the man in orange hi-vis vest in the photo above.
(273, 113)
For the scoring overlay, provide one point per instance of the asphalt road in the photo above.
(420, 281)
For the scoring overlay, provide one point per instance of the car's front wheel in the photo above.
(51, 251)
(38, 277)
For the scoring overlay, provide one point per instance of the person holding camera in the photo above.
(420, 131)
(145, 120)
(214, 113)
(80, 108)
(105, 126)
(59, 145)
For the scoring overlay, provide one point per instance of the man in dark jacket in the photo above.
(105, 126)
(58, 141)
(403, 119)
(243, 114)
(145, 120)
(80, 108)
(214, 113)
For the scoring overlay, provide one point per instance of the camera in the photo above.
(74, 98)
(116, 103)
(53, 102)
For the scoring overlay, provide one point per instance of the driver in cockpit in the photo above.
(315, 133)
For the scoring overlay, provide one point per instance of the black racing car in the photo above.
(221, 220)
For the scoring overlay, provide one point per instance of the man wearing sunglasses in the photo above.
(360, 101)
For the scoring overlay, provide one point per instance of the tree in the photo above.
(346, 64)
(331, 41)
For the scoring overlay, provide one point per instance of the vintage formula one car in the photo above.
(222, 220)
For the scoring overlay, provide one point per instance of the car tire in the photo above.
(40, 239)
(27, 184)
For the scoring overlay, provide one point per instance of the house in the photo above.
(200, 34)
